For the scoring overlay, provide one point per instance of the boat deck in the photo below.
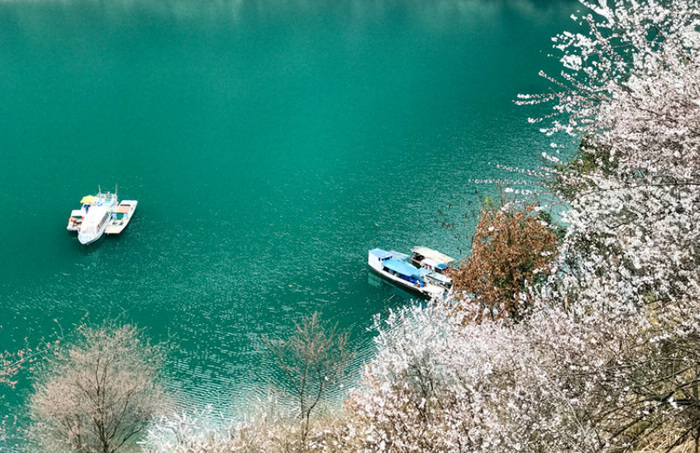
(121, 217)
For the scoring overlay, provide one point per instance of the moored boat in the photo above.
(94, 224)
(121, 216)
(98, 211)
(394, 266)
(431, 259)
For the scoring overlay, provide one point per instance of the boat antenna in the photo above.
(99, 189)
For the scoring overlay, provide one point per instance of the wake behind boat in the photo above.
(121, 216)
(394, 266)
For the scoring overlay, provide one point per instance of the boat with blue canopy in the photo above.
(395, 267)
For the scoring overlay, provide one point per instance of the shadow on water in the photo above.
(396, 296)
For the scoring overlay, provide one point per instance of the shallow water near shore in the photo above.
(269, 143)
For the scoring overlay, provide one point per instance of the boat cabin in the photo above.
(96, 220)
(433, 265)
(431, 259)
(121, 213)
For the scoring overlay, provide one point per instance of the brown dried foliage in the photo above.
(510, 249)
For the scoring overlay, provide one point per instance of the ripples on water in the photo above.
(267, 158)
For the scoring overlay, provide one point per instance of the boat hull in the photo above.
(94, 226)
(88, 240)
(426, 290)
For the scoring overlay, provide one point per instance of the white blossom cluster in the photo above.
(189, 432)
(610, 360)
(439, 385)
(633, 235)
(629, 244)
(638, 65)
(579, 381)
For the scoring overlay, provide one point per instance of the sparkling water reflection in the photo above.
(270, 144)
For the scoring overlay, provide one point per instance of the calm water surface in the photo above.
(270, 144)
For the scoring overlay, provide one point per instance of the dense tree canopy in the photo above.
(632, 94)
(511, 249)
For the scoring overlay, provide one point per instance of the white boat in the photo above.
(435, 261)
(97, 216)
(394, 266)
(121, 216)
(431, 259)
(94, 224)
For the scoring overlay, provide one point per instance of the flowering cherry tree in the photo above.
(99, 393)
(630, 91)
(617, 368)
(581, 380)
(630, 85)
(439, 385)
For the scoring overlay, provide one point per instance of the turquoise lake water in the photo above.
(270, 144)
